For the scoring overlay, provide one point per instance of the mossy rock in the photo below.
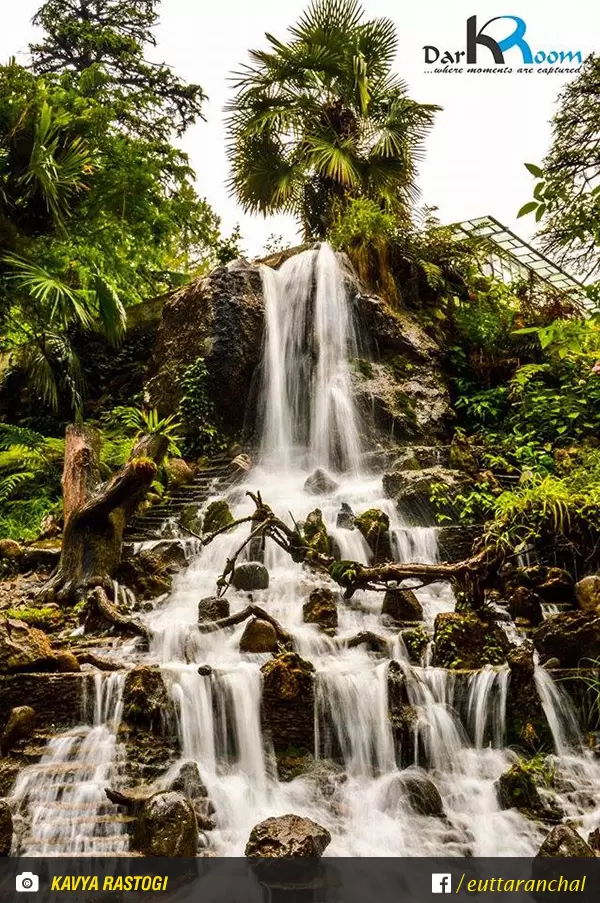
(315, 532)
(374, 525)
(416, 640)
(47, 619)
(190, 519)
(465, 641)
(288, 675)
(217, 516)
(518, 788)
(321, 608)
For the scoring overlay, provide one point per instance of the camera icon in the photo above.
(27, 882)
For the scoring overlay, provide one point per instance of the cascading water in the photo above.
(310, 421)
(310, 339)
(60, 802)
(364, 797)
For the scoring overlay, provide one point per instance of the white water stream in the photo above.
(310, 420)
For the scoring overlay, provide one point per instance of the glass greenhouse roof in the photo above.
(511, 258)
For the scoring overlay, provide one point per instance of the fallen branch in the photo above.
(250, 611)
(98, 607)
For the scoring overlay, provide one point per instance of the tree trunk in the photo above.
(96, 514)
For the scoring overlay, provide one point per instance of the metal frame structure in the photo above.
(512, 258)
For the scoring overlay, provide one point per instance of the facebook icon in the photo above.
(441, 884)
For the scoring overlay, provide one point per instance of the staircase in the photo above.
(162, 520)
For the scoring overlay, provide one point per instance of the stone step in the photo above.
(116, 819)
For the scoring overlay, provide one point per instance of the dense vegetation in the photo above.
(99, 210)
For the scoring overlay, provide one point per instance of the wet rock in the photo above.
(24, 648)
(217, 516)
(563, 842)
(219, 318)
(250, 576)
(587, 592)
(418, 791)
(321, 608)
(416, 640)
(205, 671)
(401, 604)
(259, 636)
(517, 788)
(6, 829)
(288, 701)
(369, 639)
(467, 641)
(20, 726)
(150, 573)
(413, 492)
(188, 781)
(213, 608)
(526, 723)
(403, 716)
(9, 770)
(345, 517)
(374, 525)
(570, 637)
(287, 836)
(594, 840)
(67, 663)
(166, 826)
(408, 460)
(455, 543)
(526, 605)
(179, 473)
(550, 583)
(239, 467)
(315, 532)
(320, 483)
(10, 550)
(145, 698)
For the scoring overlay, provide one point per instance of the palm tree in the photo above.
(323, 118)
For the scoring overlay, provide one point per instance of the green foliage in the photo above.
(198, 415)
(323, 118)
(42, 618)
(566, 196)
(104, 46)
(142, 422)
(417, 264)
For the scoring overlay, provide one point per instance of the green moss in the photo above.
(364, 367)
(375, 527)
(217, 516)
(416, 640)
(43, 618)
(399, 366)
(405, 406)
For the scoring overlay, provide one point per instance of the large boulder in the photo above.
(563, 842)
(6, 829)
(375, 527)
(320, 483)
(571, 637)
(552, 584)
(467, 641)
(145, 698)
(259, 636)
(321, 608)
(517, 788)
(179, 473)
(149, 574)
(286, 837)
(166, 826)
(10, 550)
(421, 495)
(213, 608)
(24, 648)
(587, 593)
(250, 576)
(20, 725)
(288, 701)
(219, 318)
(189, 782)
(401, 604)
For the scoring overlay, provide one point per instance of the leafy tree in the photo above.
(567, 193)
(105, 41)
(323, 118)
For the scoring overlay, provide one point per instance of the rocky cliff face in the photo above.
(219, 318)
(398, 378)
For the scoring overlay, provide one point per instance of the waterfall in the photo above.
(310, 339)
(60, 802)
